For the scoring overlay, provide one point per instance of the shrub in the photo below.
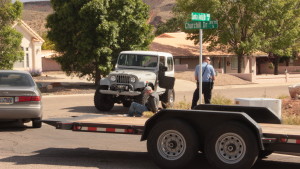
(221, 100)
(35, 73)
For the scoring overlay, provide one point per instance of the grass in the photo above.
(291, 119)
(221, 100)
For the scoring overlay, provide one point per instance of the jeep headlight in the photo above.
(113, 78)
(132, 79)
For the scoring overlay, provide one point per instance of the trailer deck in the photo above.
(116, 124)
(280, 129)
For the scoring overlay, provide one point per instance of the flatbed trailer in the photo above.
(231, 137)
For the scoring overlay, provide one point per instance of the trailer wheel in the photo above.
(231, 146)
(172, 144)
(103, 102)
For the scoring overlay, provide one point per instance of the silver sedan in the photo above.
(20, 98)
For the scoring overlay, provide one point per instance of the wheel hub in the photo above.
(230, 148)
(171, 145)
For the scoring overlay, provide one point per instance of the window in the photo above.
(170, 64)
(137, 60)
(234, 62)
(15, 79)
(162, 61)
(27, 60)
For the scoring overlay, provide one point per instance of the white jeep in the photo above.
(133, 72)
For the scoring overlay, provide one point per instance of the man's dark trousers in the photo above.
(206, 91)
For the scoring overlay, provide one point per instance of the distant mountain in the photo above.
(36, 12)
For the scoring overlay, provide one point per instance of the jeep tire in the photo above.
(103, 102)
(168, 98)
(126, 103)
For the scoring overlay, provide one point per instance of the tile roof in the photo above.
(178, 45)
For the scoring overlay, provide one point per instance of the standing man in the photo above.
(208, 77)
(151, 104)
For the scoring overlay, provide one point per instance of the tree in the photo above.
(282, 30)
(89, 34)
(172, 25)
(48, 44)
(10, 39)
(239, 21)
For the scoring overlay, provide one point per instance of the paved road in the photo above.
(47, 148)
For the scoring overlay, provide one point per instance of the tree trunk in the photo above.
(276, 63)
(97, 75)
(240, 59)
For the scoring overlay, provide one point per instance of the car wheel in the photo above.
(36, 123)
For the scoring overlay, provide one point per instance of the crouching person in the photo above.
(151, 104)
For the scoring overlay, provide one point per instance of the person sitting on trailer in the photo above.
(151, 104)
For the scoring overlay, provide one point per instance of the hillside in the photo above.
(35, 13)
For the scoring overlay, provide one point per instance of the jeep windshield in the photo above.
(146, 61)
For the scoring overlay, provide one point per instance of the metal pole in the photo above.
(200, 66)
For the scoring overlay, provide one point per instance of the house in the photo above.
(31, 45)
(186, 53)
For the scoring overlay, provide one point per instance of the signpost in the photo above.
(201, 21)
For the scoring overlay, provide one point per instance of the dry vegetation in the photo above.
(35, 13)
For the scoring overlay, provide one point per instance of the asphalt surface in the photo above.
(22, 147)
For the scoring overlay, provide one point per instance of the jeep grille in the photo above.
(123, 78)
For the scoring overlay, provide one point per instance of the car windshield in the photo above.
(15, 79)
(138, 60)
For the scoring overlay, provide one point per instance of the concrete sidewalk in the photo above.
(180, 85)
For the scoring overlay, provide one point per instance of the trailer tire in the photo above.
(231, 146)
(172, 144)
(103, 102)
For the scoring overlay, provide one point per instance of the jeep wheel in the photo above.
(103, 102)
(127, 103)
(168, 98)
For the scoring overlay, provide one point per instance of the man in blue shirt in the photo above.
(208, 77)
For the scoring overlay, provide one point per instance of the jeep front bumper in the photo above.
(125, 93)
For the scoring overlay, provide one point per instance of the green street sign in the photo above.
(201, 25)
(200, 16)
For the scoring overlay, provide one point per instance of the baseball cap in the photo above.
(148, 88)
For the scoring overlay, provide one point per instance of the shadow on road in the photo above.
(85, 157)
(13, 126)
(117, 109)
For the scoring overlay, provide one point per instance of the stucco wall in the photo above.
(50, 65)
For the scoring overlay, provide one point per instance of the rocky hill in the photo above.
(35, 13)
